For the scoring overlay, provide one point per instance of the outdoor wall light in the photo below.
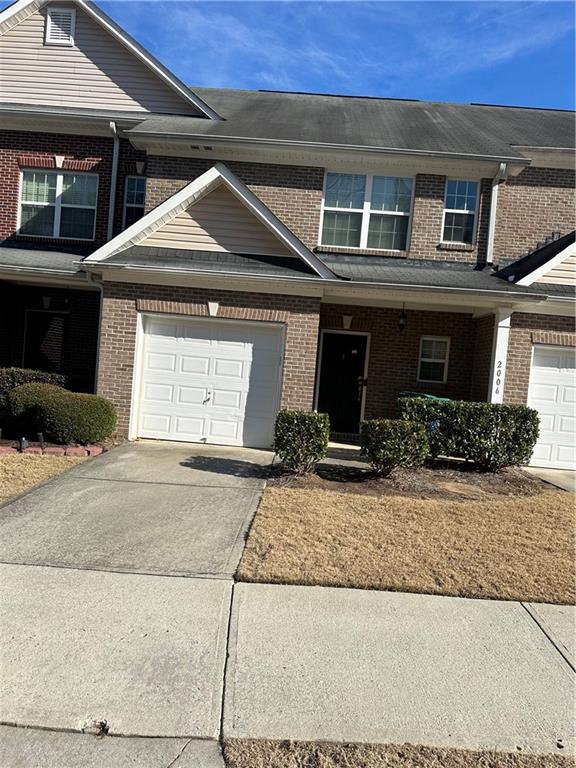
(347, 322)
(403, 319)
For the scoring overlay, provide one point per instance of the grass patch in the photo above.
(19, 472)
(509, 548)
(284, 754)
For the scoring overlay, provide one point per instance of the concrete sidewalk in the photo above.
(316, 663)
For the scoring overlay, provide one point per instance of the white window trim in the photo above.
(366, 211)
(60, 9)
(430, 360)
(461, 210)
(57, 205)
(126, 203)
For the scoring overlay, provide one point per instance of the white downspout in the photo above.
(500, 176)
(113, 179)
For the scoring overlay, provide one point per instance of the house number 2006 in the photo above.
(498, 382)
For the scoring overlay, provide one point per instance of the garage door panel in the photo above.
(552, 392)
(210, 381)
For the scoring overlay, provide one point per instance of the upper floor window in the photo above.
(134, 196)
(60, 23)
(433, 359)
(460, 210)
(367, 211)
(58, 204)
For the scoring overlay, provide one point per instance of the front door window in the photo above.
(342, 383)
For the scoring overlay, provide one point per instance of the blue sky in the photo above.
(489, 52)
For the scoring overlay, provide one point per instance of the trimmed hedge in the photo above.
(63, 417)
(14, 377)
(389, 443)
(301, 439)
(491, 435)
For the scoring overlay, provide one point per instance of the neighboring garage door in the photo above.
(553, 394)
(209, 381)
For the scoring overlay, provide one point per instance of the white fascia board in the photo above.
(19, 10)
(218, 174)
(570, 250)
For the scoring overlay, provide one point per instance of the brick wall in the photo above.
(483, 340)
(22, 149)
(526, 330)
(121, 303)
(393, 356)
(531, 206)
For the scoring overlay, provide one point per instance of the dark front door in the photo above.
(342, 366)
(44, 340)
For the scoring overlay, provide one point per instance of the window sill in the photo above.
(467, 247)
(359, 251)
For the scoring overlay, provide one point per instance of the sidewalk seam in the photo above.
(542, 626)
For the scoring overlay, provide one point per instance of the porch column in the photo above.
(499, 355)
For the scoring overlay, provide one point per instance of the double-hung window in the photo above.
(433, 359)
(367, 211)
(460, 209)
(134, 196)
(58, 204)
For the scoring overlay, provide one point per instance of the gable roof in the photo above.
(534, 265)
(195, 190)
(22, 9)
(472, 130)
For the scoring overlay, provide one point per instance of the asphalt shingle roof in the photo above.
(469, 129)
(39, 260)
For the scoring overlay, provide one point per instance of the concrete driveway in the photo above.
(94, 627)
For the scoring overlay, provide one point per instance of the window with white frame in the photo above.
(56, 204)
(460, 209)
(367, 211)
(433, 359)
(134, 196)
(60, 24)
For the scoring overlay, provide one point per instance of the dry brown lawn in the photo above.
(510, 548)
(283, 754)
(19, 472)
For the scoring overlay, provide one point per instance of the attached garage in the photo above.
(207, 380)
(552, 393)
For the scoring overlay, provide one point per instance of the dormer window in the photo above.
(60, 24)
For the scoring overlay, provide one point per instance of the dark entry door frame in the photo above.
(323, 333)
(28, 312)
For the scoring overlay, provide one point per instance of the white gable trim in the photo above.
(218, 174)
(21, 9)
(570, 250)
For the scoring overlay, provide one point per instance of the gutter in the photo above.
(113, 179)
(321, 282)
(208, 139)
(501, 175)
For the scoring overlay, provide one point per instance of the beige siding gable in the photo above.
(97, 72)
(217, 222)
(563, 273)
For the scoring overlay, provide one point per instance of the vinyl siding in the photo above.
(217, 222)
(563, 273)
(97, 72)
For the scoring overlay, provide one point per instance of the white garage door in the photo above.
(553, 394)
(210, 381)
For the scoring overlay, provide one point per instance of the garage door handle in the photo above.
(207, 398)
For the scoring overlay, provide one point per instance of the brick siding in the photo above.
(526, 330)
(21, 149)
(393, 355)
(483, 341)
(531, 206)
(122, 302)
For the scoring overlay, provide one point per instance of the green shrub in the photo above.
(301, 439)
(14, 377)
(491, 435)
(389, 443)
(63, 417)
